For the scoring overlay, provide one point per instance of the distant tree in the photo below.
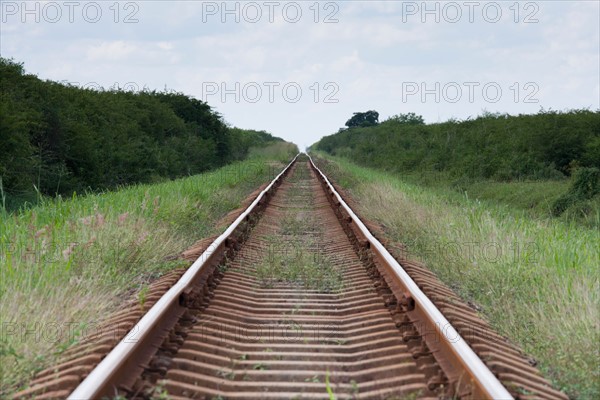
(408, 119)
(369, 118)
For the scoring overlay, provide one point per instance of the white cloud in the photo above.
(111, 51)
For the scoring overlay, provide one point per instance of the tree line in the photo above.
(57, 139)
(546, 145)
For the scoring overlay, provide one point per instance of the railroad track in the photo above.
(297, 299)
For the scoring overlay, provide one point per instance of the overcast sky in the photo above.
(300, 69)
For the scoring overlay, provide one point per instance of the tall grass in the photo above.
(68, 262)
(535, 279)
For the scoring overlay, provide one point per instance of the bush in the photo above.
(548, 145)
(59, 139)
(586, 185)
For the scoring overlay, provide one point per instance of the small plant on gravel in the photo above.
(408, 396)
(293, 224)
(224, 373)
(355, 390)
(328, 387)
(160, 393)
(142, 295)
(259, 367)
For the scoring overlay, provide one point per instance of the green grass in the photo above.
(537, 197)
(535, 278)
(68, 262)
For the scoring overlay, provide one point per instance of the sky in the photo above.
(301, 69)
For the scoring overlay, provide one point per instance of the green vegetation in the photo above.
(505, 152)
(501, 147)
(328, 387)
(68, 262)
(537, 197)
(585, 187)
(535, 279)
(408, 119)
(363, 119)
(58, 140)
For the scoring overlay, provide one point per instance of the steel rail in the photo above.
(452, 344)
(95, 384)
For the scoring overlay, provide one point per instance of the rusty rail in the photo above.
(458, 361)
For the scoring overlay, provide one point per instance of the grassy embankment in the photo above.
(68, 262)
(536, 197)
(535, 278)
(531, 162)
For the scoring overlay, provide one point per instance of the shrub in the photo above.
(586, 185)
